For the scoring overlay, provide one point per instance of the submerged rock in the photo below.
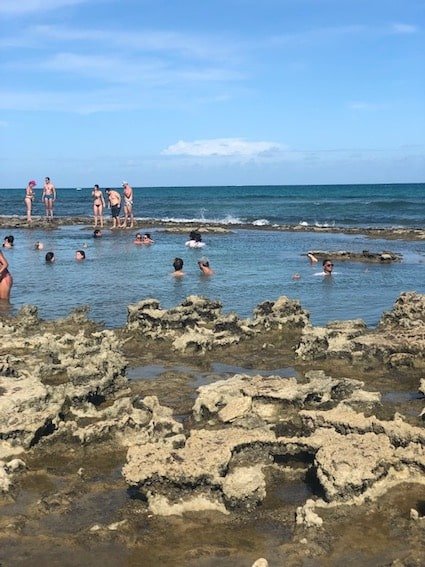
(384, 257)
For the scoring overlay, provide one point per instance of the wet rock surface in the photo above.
(172, 226)
(384, 257)
(198, 324)
(398, 341)
(199, 464)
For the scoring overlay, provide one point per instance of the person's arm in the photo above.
(3, 263)
(54, 192)
(44, 192)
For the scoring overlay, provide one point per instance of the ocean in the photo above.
(251, 265)
(317, 205)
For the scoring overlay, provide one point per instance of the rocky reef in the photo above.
(398, 341)
(250, 423)
(384, 257)
(64, 390)
(198, 324)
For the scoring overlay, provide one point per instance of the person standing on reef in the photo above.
(114, 201)
(6, 280)
(98, 205)
(128, 205)
(48, 197)
(29, 198)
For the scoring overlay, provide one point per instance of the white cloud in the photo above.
(21, 7)
(222, 147)
(361, 105)
(145, 40)
(404, 28)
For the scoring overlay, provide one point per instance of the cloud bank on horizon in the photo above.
(170, 94)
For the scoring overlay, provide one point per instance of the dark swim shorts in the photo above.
(115, 211)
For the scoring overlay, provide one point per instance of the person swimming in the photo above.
(204, 266)
(80, 255)
(50, 257)
(8, 241)
(195, 240)
(327, 267)
(138, 239)
(97, 233)
(178, 268)
(147, 239)
(38, 246)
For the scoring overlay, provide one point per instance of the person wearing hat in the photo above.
(128, 206)
(29, 198)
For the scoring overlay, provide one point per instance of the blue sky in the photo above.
(212, 92)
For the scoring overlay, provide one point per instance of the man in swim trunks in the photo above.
(128, 205)
(48, 197)
(114, 202)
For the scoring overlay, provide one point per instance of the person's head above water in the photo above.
(178, 264)
(195, 235)
(8, 241)
(50, 257)
(80, 255)
(327, 266)
(97, 233)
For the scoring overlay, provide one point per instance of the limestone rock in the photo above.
(398, 341)
(198, 324)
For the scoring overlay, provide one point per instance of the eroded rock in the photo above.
(398, 341)
(199, 325)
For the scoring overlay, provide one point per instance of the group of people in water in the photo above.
(195, 241)
(114, 200)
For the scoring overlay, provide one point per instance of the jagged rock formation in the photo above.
(398, 341)
(248, 424)
(199, 325)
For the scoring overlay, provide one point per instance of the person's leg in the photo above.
(5, 286)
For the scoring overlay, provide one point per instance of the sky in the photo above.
(212, 92)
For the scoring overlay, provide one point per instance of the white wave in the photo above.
(228, 219)
(261, 222)
(324, 224)
(303, 223)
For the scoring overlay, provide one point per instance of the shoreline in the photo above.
(403, 233)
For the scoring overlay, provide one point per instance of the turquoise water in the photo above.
(251, 266)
